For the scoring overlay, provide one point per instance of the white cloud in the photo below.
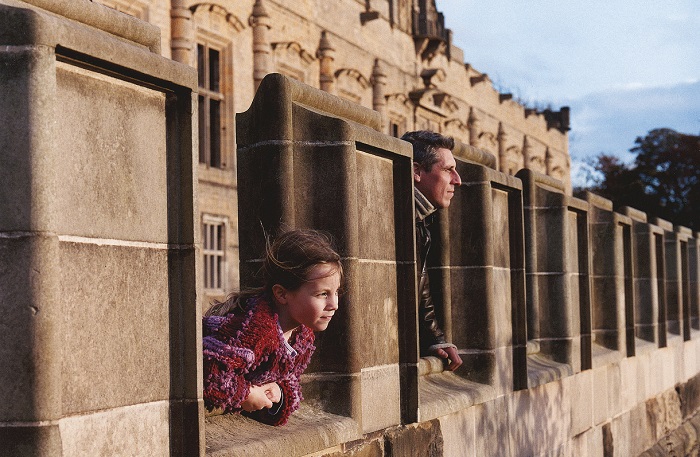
(569, 49)
(624, 67)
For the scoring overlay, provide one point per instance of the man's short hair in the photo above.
(425, 145)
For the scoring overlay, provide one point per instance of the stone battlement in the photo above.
(579, 326)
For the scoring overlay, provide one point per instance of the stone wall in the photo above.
(577, 335)
(393, 56)
(99, 326)
(579, 326)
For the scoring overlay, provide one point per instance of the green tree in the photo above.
(663, 181)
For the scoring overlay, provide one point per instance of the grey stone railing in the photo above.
(578, 325)
(99, 325)
(552, 300)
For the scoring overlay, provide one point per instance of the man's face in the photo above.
(438, 184)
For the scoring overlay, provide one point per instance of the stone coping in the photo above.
(598, 201)
(635, 214)
(22, 24)
(446, 393)
(474, 154)
(541, 370)
(541, 180)
(309, 430)
(601, 356)
(103, 18)
(288, 91)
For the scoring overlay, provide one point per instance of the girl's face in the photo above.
(313, 304)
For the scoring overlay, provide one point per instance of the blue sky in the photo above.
(623, 66)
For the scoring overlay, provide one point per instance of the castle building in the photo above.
(394, 56)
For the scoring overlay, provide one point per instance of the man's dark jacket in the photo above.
(430, 333)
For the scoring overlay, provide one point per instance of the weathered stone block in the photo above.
(379, 387)
(26, 73)
(502, 225)
(689, 393)
(528, 410)
(103, 123)
(308, 431)
(621, 435)
(423, 439)
(121, 431)
(614, 386)
(580, 390)
(640, 433)
(104, 161)
(30, 350)
(481, 312)
(490, 430)
(108, 330)
(458, 433)
(601, 401)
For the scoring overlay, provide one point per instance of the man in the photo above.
(434, 178)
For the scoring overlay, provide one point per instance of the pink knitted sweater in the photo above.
(249, 349)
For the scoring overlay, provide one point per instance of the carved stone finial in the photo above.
(181, 41)
(378, 81)
(259, 10)
(260, 22)
(324, 43)
(473, 122)
(326, 56)
(502, 137)
(526, 152)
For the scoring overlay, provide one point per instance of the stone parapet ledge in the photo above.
(684, 231)
(557, 272)
(602, 355)
(611, 277)
(474, 154)
(599, 202)
(635, 214)
(663, 223)
(541, 369)
(446, 393)
(309, 430)
(22, 23)
(100, 17)
(443, 393)
(310, 159)
(540, 180)
(99, 225)
(277, 94)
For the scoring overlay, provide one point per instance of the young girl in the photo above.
(258, 342)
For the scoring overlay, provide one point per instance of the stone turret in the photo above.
(260, 22)
(181, 32)
(378, 81)
(326, 56)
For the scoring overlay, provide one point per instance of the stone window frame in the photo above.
(224, 96)
(398, 125)
(290, 58)
(214, 250)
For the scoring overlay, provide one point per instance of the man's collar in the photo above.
(423, 207)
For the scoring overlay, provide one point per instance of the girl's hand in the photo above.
(257, 399)
(273, 391)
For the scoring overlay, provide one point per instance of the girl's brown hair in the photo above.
(288, 261)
